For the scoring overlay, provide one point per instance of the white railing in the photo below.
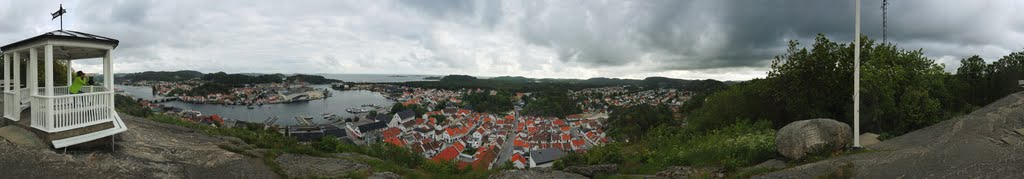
(23, 94)
(63, 90)
(12, 108)
(65, 112)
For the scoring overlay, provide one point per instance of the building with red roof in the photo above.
(392, 132)
(578, 144)
(395, 140)
(519, 161)
(447, 154)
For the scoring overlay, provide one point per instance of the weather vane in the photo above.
(60, 13)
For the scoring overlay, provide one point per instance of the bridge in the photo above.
(163, 99)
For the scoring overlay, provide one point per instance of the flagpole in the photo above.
(62, 17)
(856, 77)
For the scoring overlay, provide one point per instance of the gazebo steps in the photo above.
(118, 127)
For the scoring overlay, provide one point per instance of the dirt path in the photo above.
(147, 150)
(983, 144)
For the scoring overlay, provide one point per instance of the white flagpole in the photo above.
(856, 78)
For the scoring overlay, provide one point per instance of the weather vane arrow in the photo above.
(60, 13)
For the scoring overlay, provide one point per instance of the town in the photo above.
(452, 133)
(255, 94)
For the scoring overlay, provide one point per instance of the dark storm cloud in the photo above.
(555, 38)
(688, 34)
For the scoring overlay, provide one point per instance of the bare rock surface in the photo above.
(21, 137)
(591, 171)
(147, 150)
(384, 175)
(303, 166)
(970, 146)
(798, 139)
(532, 173)
(687, 171)
(867, 139)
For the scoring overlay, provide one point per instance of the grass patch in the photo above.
(731, 147)
(270, 159)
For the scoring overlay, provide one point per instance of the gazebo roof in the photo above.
(63, 35)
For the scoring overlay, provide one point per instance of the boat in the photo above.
(356, 110)
(327, 114)
(250, 107)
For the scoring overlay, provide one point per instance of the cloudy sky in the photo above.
(718, 39)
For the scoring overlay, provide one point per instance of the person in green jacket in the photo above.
(77, 82)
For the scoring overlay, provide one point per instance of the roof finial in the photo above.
(60, 13)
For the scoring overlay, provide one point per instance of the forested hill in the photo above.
(223, 78)
(162, 76)
(518, 83)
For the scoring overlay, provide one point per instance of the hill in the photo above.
(161, 76)
(519, 83)
(986, 143)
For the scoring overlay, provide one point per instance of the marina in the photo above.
(335, 105)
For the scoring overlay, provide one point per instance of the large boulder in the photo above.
(798, 139)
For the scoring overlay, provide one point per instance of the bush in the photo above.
(741, 144)
(605, 154)
(130, 106)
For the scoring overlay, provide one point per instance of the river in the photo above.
(286, 112)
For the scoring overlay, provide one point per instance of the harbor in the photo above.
(336, 105)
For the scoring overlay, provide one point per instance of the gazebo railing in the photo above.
(10, 105)
(23, 95)
(63, 90)
(64, 112)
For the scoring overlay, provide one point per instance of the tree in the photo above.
(974, 79)
(1004, 75)
(901, 90)
(416, 108)
(551, 102)
(485, 102)
(632, 122)
(440, 118)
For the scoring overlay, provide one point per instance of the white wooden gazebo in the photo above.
(62, 118)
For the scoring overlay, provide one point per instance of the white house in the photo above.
(66, 119)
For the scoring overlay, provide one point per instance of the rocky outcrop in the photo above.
(533, 173)
(798, 139)
(969, 146)
(772, 164)
(21, 137)
(303, 166)
(384, 175)
(591, 171)
(147, 150)
(686, 172)
(867, 139)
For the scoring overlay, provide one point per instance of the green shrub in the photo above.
(130, 106)
(740, 144)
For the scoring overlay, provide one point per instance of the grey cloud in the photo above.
(514, 37)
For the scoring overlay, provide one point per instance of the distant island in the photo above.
(432, 78)
(231, 89)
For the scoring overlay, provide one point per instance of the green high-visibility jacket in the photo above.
(76, 85)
